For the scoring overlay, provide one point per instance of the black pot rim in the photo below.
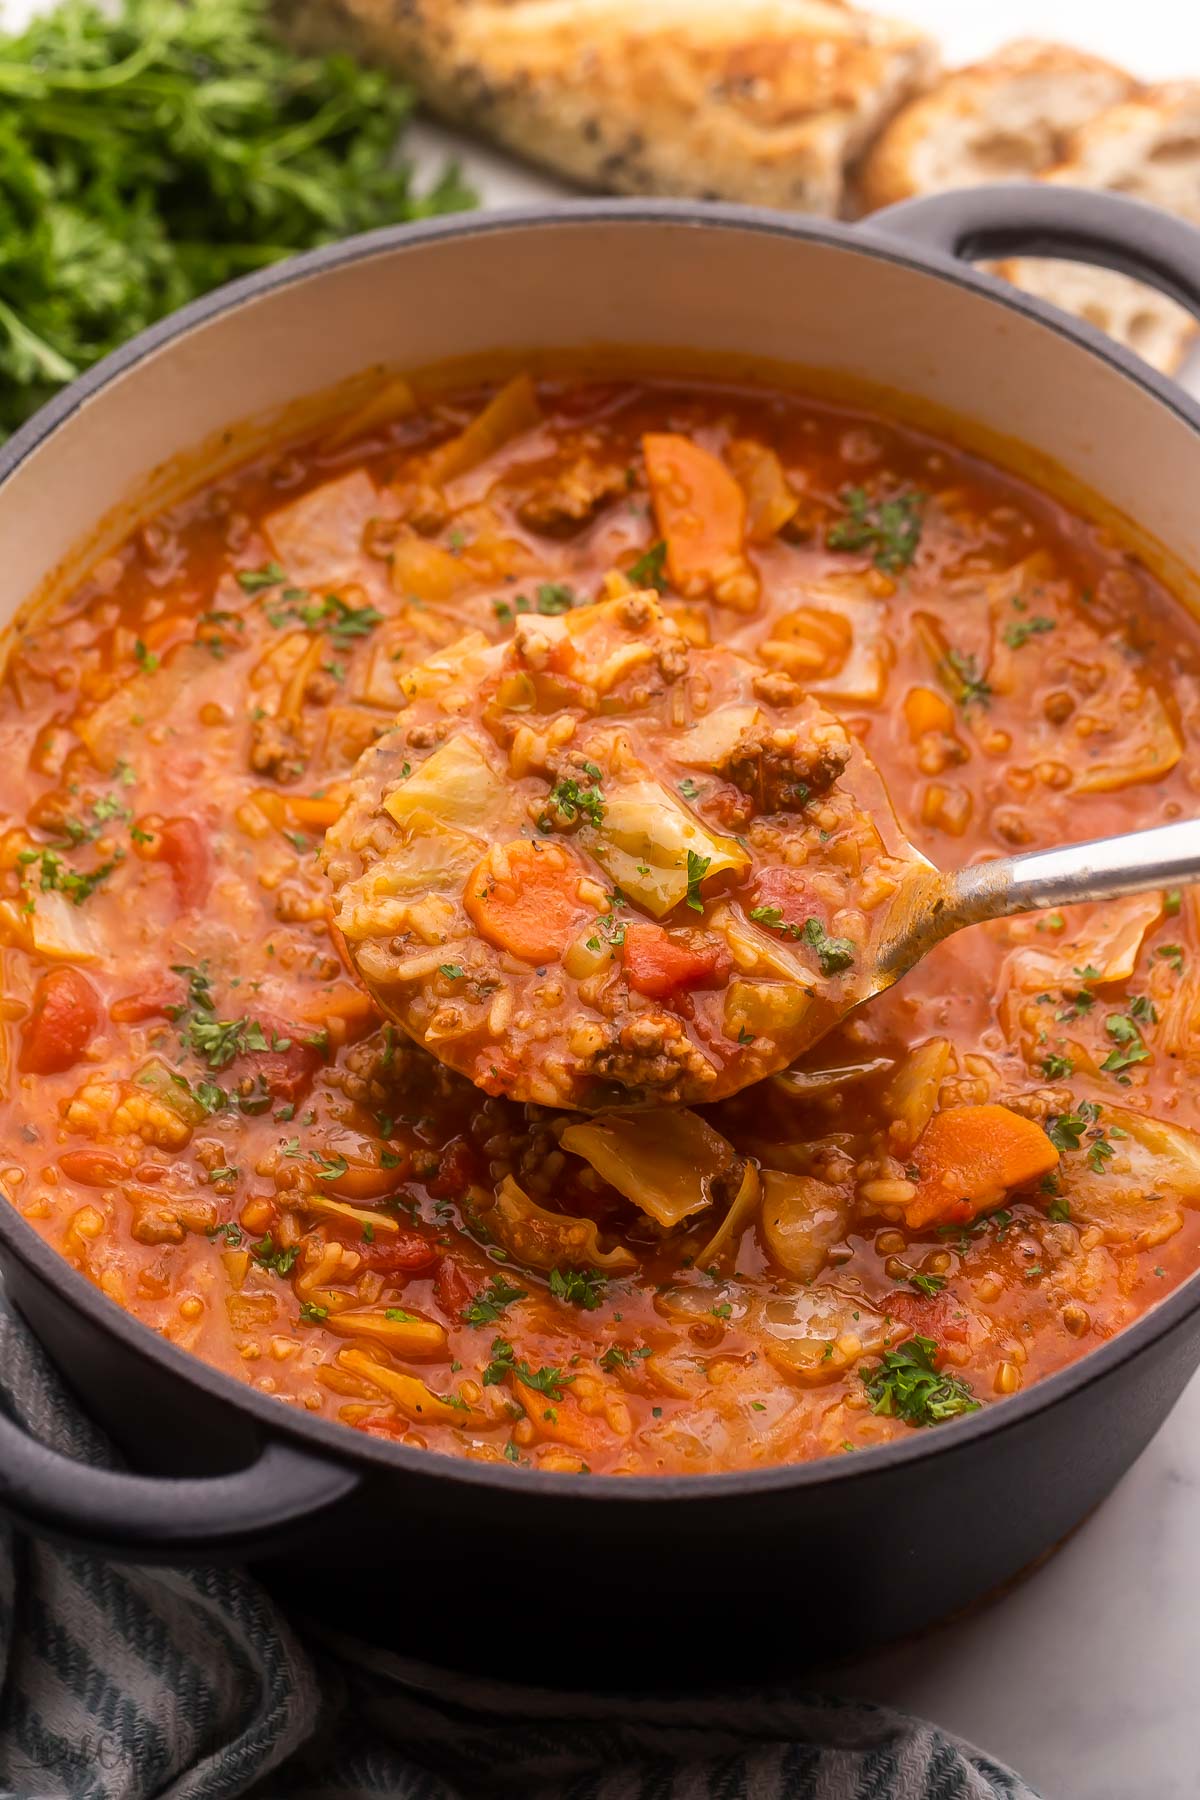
(328, 1438)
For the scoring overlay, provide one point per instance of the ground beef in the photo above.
(782, 768)
(651, 1050)
(275, 750)
(563, 502)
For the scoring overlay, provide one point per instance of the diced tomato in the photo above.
(287, 1073)
(184, 848)
(456, 1170)
(937, 1316)
(657, 963)
(784, 891)
(149, 1002)
(65, 1015)
(451, 1289)
(399, 1253)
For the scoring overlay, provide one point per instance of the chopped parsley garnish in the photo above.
(452, 971)
(649, 569)
(906, 1385)
(231, 1231)
(312, 1314)
(199, 989)
(1022, 630)
(1173, 902)
(1172, 954)
(1100, 1153)
(56, 875)
(1127, 1038)
(889, 529)
(329, 1167)
(147, 661)
(280, 1262)
(1059, 1210)
(1066, 1133)
(929, 1285)
(618, 1357)
(697, 869)
(553, 597)
(575, 1287)
(398, 1316)
(491, 1302)
(573, 801)
(1056, 1067)
(347, 622)
(253, 581)
(504, 1362)
(1065, 1130)
(969, 686)
(833, 953)
(689, 789)
(219, 1041)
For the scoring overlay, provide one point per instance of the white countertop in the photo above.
(1086, 1677)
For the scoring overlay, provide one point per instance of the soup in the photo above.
(972, 1181)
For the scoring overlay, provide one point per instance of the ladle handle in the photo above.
(1106, 868)
(1134, 863)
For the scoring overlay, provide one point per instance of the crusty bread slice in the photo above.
(1128, 311)
(767, 101)
(1147, 147)
(1004, 119)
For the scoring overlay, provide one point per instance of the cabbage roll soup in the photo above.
(545, 712)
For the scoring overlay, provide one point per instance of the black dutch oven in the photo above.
(598, 1578)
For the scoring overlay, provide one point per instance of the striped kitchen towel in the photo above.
(122, 1683)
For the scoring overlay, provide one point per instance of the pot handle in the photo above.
(1043, 219)
(152, 1518)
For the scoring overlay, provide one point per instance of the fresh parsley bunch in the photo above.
(149, 155)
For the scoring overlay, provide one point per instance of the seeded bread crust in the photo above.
(768, 102)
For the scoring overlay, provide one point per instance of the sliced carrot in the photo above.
(700, 509)
(969, 1157)
(562, 1421)
(317, 813)
(524, 897)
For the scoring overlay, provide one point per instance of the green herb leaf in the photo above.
(577, 1288)
(280, 1262)
(649, 569)
(968, 685)
(573, 801)
(906, 1385)
(551, 1382)
(1020, 633)
(697, 869)
(253, 581)
(890, 529)
(833, 954)
(492, 1301)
